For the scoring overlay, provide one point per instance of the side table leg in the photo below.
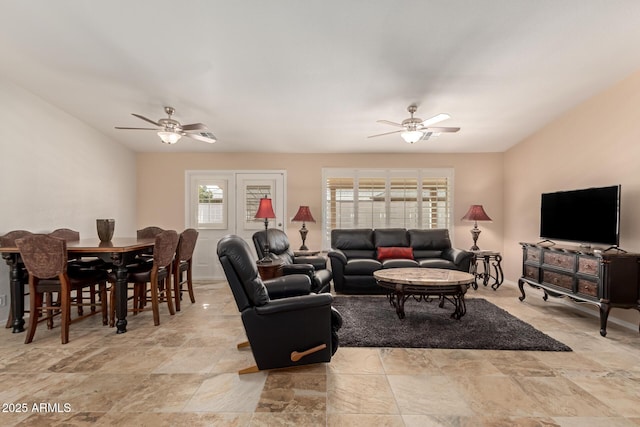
(499, 274)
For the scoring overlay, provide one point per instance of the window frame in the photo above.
(417, 175)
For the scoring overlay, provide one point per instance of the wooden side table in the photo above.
(271, 269)
(489, 259)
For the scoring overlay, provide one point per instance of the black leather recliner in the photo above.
(284, 323)
(313, 266)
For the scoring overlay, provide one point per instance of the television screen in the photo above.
(591, 215)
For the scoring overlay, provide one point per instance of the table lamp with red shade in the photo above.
(265, 211)
(303, 215)
(475, 213)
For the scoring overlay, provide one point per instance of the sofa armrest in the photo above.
(318, 262)
(337, 255)
(306, 269)
(288, 286)
(298, 303)
(459, 257)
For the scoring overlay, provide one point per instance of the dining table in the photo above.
(119, 253)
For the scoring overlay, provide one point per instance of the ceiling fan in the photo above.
(416, 129)
(170, 130)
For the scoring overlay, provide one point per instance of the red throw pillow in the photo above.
(393, 252)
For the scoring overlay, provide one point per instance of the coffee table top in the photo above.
(423, 276)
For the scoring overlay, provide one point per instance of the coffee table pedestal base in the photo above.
(399, 293)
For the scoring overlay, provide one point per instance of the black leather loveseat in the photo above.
(356, 253)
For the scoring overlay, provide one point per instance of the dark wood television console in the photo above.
(605, 279)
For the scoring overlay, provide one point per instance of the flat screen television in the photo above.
(588, 216)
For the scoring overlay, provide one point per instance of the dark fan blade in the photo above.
(194, 126)
(145, 119)
(440, 129)
(119, 127)
(390, 123)
(387, 133)
(201, 136)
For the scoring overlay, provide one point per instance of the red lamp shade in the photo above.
(265, 210)
(304, 215)
(476, 213)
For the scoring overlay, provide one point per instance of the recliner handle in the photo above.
(295, 355)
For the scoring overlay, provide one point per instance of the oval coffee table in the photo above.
(422, 283)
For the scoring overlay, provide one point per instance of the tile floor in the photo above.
(184, 373)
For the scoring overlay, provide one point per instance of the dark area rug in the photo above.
(372, 322)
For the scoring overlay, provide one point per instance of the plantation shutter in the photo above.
(398, 198)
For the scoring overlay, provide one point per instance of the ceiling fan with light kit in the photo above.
(415, 129)
(170, 130)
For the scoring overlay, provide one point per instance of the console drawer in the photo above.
(588, 287)
(557, 279)
(533, 254)
(559, 260)
(531, 272)
(588, 266)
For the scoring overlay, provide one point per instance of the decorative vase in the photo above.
(105, 228)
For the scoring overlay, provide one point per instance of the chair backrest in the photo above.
(9, 239)
(66, 234)
(165, 248)
(278, 244)
(149, 232)
(242, 272)
(187, 244)
(43, 256)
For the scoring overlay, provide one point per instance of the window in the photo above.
(211, 211)
(371, 198)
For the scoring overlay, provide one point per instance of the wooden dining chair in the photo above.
(156, 273)
(78, 264)
(45, 258)
(182, 265)
(149, 232)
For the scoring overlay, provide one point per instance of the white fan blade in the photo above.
(436, 119)
(201, 136)
(387, 133)
(119, 127)
(387, 122)
(145, 119)
(440, 129)
(194, 126)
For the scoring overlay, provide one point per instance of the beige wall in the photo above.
(478, 180)
(595, 144)
(58, 172)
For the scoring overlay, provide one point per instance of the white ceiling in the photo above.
(314, 76)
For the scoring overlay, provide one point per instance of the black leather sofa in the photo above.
(355, 255)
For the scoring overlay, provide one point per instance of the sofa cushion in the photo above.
(347, 239)
(357, 267)
(437, 263)
(435, 239)
(394, 252)
(400, 263)
(390, 237)
(421, 254)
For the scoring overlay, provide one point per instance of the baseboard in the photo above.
(581, 308)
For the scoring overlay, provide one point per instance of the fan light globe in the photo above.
(169, 137)
(411, 136)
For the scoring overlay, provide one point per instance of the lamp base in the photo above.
(475, 233)
(303, 235)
